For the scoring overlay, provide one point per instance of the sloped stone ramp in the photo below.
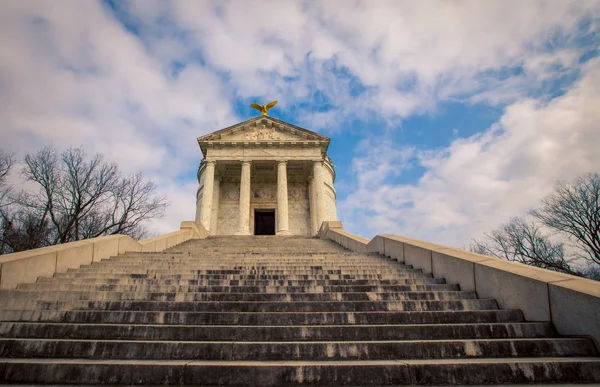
(272, 311)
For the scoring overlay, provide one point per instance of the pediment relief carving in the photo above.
(261, 133)
(263, 129)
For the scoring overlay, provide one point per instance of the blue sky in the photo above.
(446, 118)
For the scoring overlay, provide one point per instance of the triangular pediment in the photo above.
(262, 128)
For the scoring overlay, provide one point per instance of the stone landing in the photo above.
(272, 311)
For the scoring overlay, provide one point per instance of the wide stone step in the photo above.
(297, 246)
(272, 311)
(296, 373)
(15, 297)
(200, 269)
(239, 257)
(264, 272)
(241, 276)
(272, 257)
(263, 318)
(276, 333)
(298, 350)
(189, 269)
(258, 306)
(251, 251)
(177, 287)
(231, 282)
(174, 279)
(292, 249)
(243, 256)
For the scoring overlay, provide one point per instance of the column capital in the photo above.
(210, 162)
(246, 161)
(282, 161)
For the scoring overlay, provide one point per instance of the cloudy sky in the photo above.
(446, 118)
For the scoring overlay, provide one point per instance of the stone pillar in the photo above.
(214, 220)
(244, 219)
(283, 227)
(318, 183)
(207, 194)
(312, 205)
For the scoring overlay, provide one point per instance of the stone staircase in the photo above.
(272, 311)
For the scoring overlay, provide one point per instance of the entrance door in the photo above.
(264, 222)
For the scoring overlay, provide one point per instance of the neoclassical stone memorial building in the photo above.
(264, 176)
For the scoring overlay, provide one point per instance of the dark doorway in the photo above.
(264, 222)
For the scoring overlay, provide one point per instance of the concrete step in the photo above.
(262, 318)
(14, 297)
(277, 333)
(189, 269)
(272, 311)
(202, 269)
(255, 251)
(238, 256)
(239, 276)
(190, 286)
(250, 250)
(269, 306)
(297, 350)
(251, 272)
(175, 288)
(231, 282)
(271, 256)
(297, 373)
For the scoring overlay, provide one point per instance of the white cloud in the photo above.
(71, 74)
(477, 183)
(409, 55)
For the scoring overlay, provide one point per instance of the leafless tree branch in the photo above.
(77, 198)
(574, 209)
(524, 242)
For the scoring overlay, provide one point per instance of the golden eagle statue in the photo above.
(264, 108)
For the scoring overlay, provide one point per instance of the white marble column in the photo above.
(318, 183)
(214, 220)
(207, 194)
(283, 227)
(312, 205)
(244, 224)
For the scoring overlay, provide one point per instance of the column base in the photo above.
(283, 232)
(243, 232)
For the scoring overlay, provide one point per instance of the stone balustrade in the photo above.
(571, 303)
(27, 266)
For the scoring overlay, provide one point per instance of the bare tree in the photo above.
(574, 209)
(524, 242)
(6, 164)
(78, 198)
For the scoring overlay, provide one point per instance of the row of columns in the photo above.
(317, 203)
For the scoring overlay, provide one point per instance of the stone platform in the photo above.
(272, 311)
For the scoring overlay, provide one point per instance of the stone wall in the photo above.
(263, 195)
(299, 208)
(229, 202)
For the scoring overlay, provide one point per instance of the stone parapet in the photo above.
(571, 303)
(28, 266)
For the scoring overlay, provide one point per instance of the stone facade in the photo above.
(265, 164)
